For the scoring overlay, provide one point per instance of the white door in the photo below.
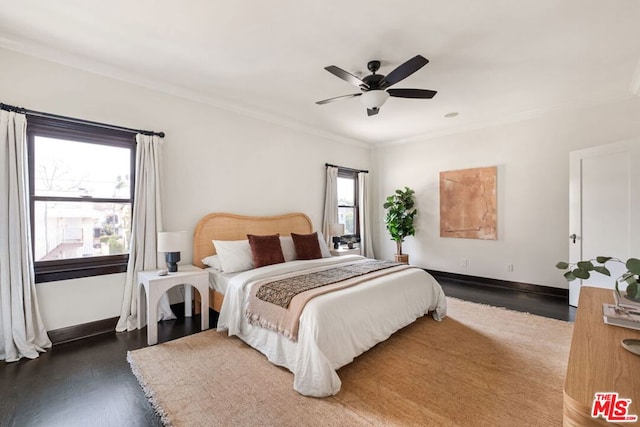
(604, 196)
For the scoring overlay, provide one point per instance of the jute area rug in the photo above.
(481, 366)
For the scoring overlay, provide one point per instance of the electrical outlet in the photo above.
(510, 267)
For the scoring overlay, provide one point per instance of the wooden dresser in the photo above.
(598, 363)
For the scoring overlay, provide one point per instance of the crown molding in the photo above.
(514, 118)
(64, 58)
(96, 67)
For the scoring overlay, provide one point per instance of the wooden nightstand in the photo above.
(155, 286)
(344, 251)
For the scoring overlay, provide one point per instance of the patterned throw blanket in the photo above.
(281, 292)
(277, 304)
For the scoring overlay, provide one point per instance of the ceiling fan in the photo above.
(375, 87)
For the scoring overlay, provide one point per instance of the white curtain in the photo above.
(330, 202)
(366, 245)
(22, 332)
(146, 222)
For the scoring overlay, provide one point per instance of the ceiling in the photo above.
(492, 61)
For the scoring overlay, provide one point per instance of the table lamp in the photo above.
(171, 243)
(336, 231)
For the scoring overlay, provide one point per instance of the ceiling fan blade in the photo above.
(326, 101)
(346, 76)
(372, 111)
(412, 93)
(404, 70)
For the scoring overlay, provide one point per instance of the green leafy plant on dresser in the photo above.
(583, 269)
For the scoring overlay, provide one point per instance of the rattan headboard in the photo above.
(226, 226)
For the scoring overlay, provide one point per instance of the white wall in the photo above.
(220, 161)
(214, 161)
(532, 157)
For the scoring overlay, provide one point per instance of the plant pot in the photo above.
(403, 259)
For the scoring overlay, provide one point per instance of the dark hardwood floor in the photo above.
(88, 382)
(543, 305)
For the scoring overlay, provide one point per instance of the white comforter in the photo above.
(334, 327)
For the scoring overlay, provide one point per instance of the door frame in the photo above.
(632, 146)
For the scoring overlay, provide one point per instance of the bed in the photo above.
(334, 327)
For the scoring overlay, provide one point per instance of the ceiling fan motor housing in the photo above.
(373, 81)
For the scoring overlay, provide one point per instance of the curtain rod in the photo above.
(343, 168)
(74, 120)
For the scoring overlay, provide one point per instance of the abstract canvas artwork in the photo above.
(468, 203)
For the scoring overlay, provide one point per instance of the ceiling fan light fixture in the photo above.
(374, 99)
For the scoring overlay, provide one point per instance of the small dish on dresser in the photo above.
(633, 345)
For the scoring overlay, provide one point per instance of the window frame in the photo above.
(74, 268)
(351, 174)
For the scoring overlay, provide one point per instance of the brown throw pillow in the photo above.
(266, 250)
(307, 246)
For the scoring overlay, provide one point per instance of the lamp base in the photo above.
(336, 242)
(172, 259)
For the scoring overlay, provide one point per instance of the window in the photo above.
(81, 196)
(348, 201)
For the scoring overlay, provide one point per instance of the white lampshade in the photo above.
(173, 241)
(336, 229)
(374, 98)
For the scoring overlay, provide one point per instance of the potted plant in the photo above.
(351, 241)
(582, 270)
(401, 211)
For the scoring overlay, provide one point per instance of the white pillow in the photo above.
(235, 255)
(324, 249)
(213, 261)
(288, 249)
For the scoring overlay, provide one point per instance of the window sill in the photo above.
(75, 269)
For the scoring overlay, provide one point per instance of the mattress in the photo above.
(219, 281)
